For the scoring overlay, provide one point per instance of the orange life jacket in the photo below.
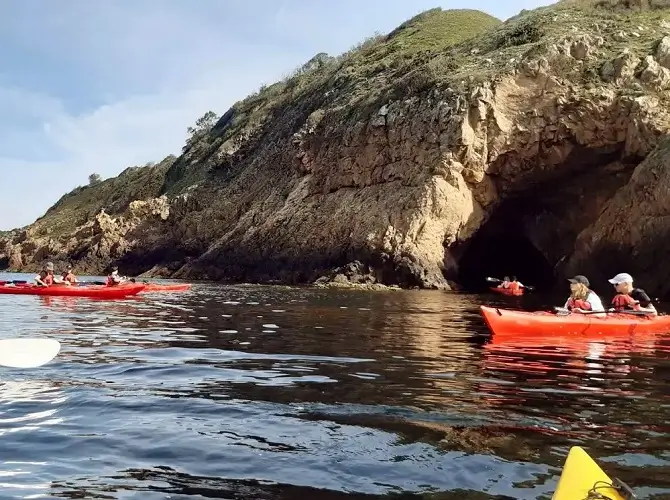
(578, 304)
(69, 277)
(514, 285)
(623, 301)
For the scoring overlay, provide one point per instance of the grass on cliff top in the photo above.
(114, 195)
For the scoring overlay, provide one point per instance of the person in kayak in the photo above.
(113, 278)
(505, 283)
(511, 284)
(582, 298)
(46, 276)
(68, 276)
(629, 298)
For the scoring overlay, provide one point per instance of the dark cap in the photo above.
(579, 279)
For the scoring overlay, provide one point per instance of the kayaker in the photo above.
(113, 278)
(629, 298)
(69, 277)
(582, 298)
(506, 282)
(46, 276)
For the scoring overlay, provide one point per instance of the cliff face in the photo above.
(454, 147)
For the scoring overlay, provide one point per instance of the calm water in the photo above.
(274, 392)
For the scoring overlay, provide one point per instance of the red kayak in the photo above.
(94, 291)
(510, 323)
(507, 291)
(156, 287)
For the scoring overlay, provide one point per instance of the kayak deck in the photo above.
(509, 322)
(583, 478)
(93, 291)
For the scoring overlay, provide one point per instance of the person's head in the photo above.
(49, 267)
(623, 283)
(115, 270)
(506, 278)
(579, 287)
(513, 278)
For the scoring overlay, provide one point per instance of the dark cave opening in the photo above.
(502, 247)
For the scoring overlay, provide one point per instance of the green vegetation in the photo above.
(114, 195)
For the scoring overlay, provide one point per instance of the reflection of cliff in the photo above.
(453, 147)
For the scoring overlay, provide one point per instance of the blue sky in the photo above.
(100, 86)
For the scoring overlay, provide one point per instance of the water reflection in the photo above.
(280, 392)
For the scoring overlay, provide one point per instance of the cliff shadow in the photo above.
(532, 232)
(502, 247)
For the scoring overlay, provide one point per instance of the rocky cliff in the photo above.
(454, 147)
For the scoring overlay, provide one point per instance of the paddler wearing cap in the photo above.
(46, 276)
(582, 298)
(628, 297)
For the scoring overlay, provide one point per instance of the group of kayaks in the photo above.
(93, 291)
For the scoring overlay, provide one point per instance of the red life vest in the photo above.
(514, 285)
(578, 304)
(623, 301)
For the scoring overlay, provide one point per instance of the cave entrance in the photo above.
(502, 247)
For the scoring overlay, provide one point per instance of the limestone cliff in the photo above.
(452, 147)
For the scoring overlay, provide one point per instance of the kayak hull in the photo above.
(507, 291)
(156, 287)
(506, 322)
(93, 291)
(580, 474)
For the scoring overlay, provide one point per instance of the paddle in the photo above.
(27, 353)
(562, 311)
(14, 282)
(496, 280)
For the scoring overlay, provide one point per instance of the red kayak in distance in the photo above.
(506, 322)
(58, 290)
(157, 287)
(507, 291)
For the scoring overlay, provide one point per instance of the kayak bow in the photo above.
(583, 478)
(509, 322)
(157, 287)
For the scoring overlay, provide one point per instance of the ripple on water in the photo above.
(279, 392)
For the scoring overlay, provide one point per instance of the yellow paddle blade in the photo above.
(582, 475)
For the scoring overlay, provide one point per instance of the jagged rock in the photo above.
(655, 75)
(663, 52)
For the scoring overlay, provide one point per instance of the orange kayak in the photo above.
(508, 322)
(156, 287)
(507, 291)
(93, 291)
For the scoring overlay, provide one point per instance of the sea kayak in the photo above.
(93, 291)
(583, 478)
(156, 287)
(507, 291)
(508, 322)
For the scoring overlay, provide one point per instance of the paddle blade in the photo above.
(493, 280)
(27, 353)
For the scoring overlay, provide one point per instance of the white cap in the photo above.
(621, 278)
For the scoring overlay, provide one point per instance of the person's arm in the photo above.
(38, 280)
(644, 302)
